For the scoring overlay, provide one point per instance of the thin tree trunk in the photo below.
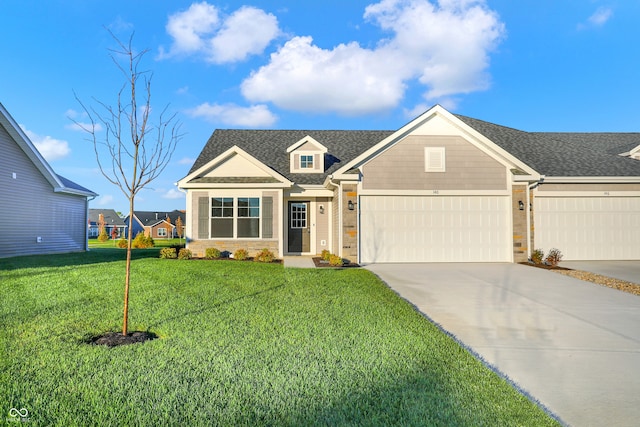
(125, 319)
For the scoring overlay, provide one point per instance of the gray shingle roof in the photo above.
(110, 217)
(150, 218)
(270, 147)
(565, 154)
(549, 153)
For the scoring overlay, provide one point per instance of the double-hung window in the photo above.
(235, 217)
(222, 217)
(248, 217)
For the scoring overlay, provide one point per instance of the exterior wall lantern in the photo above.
(321, 209)
(521, 205)
(350, 205)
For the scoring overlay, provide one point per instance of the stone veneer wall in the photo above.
(349, 222)
(198, 247)
(520, 246)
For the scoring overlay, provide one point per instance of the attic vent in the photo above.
(434, 159)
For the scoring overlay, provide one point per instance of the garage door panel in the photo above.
(434, 229)
(589, 228)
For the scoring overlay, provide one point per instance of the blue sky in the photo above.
(544, 65)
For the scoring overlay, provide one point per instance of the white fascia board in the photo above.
(303, 141)
(183, 183)
(526, 178)
(23, 141)
(308, 191)
(434, 193)
(591, 179)
(208, 186)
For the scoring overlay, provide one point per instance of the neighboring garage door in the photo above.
(435, 229)
(588, 228)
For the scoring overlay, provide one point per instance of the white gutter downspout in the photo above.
(530, 205)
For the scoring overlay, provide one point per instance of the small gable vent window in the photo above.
(434, 159)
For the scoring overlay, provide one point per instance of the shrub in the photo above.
(335, 261)
(168, 253)
(554, 257)
(325, 255)
(103, 236)
(185, 254)
(240, 255)
(264, 255)
(142, 241)
(122, 243)
(537, 256)
(212, 253)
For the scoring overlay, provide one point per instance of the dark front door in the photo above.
(299, 230)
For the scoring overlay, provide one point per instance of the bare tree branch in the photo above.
(131, 150)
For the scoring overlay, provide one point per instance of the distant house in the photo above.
(158, 225)
(111, 221)
(40, 212)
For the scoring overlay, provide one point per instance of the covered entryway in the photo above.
(299, 227)
(435, 229)
(588, 228)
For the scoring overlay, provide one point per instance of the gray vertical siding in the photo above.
(29, 208)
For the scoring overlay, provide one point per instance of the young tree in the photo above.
(131, 152)
(102, 231)
(179, 228)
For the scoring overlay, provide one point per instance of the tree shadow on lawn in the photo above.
(213, 306)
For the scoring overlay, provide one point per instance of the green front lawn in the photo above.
(240, 344)
(160, 243)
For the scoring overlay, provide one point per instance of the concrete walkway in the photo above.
(623, 270)
(572, 345)
(299, 262)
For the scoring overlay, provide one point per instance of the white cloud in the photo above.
(78, 124)
(234, 115)
(600, 17)
(444, 47)
(186, 161)
(50, 148)
(348, 79)
(105, 200)
(199, 30)
(173, 194)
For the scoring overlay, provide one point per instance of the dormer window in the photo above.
(307, 156)
(306, 162)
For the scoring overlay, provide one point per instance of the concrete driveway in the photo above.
(572, 345)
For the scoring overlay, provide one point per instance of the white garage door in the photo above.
(588, 228)
(435, 229)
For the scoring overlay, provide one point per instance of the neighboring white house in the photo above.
(40, 212)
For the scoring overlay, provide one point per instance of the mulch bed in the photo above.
(113, 339)
(545, 266)
(320, 263)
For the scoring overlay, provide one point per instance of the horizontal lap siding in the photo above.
(403, 167)
(29, 208)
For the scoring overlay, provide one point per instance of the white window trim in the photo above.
(318, 167)
(235, 216)
(435, 159)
